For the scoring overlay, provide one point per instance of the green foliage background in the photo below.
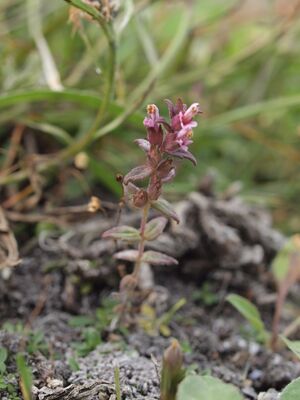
(239, 59)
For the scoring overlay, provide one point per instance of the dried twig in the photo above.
(9, 254)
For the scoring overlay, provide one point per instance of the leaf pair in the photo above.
(153, 229)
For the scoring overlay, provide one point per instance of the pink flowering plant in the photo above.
(165, 141)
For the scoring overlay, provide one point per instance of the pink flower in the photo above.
(172, 138)
(153, 123)
(190, 113)
(179, 137)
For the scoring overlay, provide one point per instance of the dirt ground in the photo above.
(223, 246)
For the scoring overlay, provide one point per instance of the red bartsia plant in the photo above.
(165, 141)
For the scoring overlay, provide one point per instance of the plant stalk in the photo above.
(141, 247)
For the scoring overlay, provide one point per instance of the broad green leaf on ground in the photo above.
(165, 208)
(206, 388)
(157, 258)
(123, 232)
(249, 311)
(155, 227)
(291, 391)
(293, 345)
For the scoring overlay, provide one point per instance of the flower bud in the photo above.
(172, 371)
(173, 357)
(191, 112)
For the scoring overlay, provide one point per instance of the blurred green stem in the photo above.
(142, 91)
(108, 30)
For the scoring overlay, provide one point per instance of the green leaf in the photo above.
(165, 208)
(122, 232)
(157, 258)
(250, 312)
(81, 320)
(281, 263)
(3, 354)
(293, 345)
(58, 133)
(155, 227)
(291, 391)
(25, 376)
(84, 98)
(206, 388)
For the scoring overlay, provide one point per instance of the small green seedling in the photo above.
(252, 315)
(153, 324)
(34, 340)
(92, 327)
(205, 295)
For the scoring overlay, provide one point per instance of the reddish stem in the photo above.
(142, 241)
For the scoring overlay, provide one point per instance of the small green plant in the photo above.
(286, 270)
(8, 386)
(252, 315)
(153, 324)
(205, 295)
(34, 340)
(91, 338)
(7, 380)
(92, 327)
(166, 140)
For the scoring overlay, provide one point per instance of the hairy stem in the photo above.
(141, 247)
